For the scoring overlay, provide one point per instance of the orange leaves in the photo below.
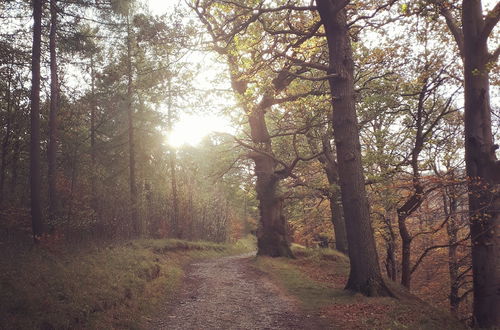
(53, 242)
(359, 315)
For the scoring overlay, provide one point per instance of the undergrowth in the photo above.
(316, 279)
(115, 286)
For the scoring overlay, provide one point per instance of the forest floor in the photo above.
(244, 292)
(113, 285)
(231, 293)
(174, 284)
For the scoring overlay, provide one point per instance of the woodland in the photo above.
(368, 127)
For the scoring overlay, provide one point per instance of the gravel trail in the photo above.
(228, 293)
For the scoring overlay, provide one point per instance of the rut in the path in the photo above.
(228, 293)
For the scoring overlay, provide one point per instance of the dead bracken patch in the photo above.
(317, 283)
(358, 315)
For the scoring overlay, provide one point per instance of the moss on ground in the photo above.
(114, 286)
(316, 279)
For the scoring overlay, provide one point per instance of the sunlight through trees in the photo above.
(370, 127)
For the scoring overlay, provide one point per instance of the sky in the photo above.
(191, 128)
(160, 7)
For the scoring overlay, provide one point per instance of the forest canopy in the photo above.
(370, 127)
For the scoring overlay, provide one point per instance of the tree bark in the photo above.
(405, 252)
(410, 206)
(483, 169)
(416, 198)
(14, 167)
(93, 151)
(7, 137)
(450, 209)
(272, 236)
(331, 170)
(365, 275)
(35, 178)
(136, 227)
(172, 161)
(54, 108)
(390, 257)
(338, 223)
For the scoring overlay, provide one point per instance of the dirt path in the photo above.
(228, 293)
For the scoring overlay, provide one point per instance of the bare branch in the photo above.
(257, 150)
(429, 249)
(494, 56)
(373, 14)
(269, 101)
(490, 21)
(310, 34)
(306, 64)
(287, 171)
(465, 294)
(322, 78)
(455, 30)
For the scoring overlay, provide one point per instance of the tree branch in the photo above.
(338, 7)
(268, 101)
(287, 171)
(494, 56)
(254, 149)
(375, 12)
(322, 78)
(429, 249)
(306, 64)
(453, 26)
(490, 21)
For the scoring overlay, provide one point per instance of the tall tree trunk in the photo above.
(176, 230)
(405, 252)
(327, 160)
(416, 198)
(272, 236)
(54, 108)
(7, 137)
(364, 276)
(404, 212)
(330, 166)
(338, 223)
(390, 258)
(450, 210)
(35, 178)
(136, 228)
(482, 166)
(74, 170)
(93, 151)
(411, 204)
(14, 168)
(483, 169)
(172, 160)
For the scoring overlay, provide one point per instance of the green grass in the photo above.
(311, 294)
(316, 279)
(99, 287)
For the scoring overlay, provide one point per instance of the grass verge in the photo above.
(100, 287)
(317, 278)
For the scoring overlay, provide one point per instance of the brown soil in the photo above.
(228, 293)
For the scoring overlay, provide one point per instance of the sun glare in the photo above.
(191, 129)
(160, 7)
